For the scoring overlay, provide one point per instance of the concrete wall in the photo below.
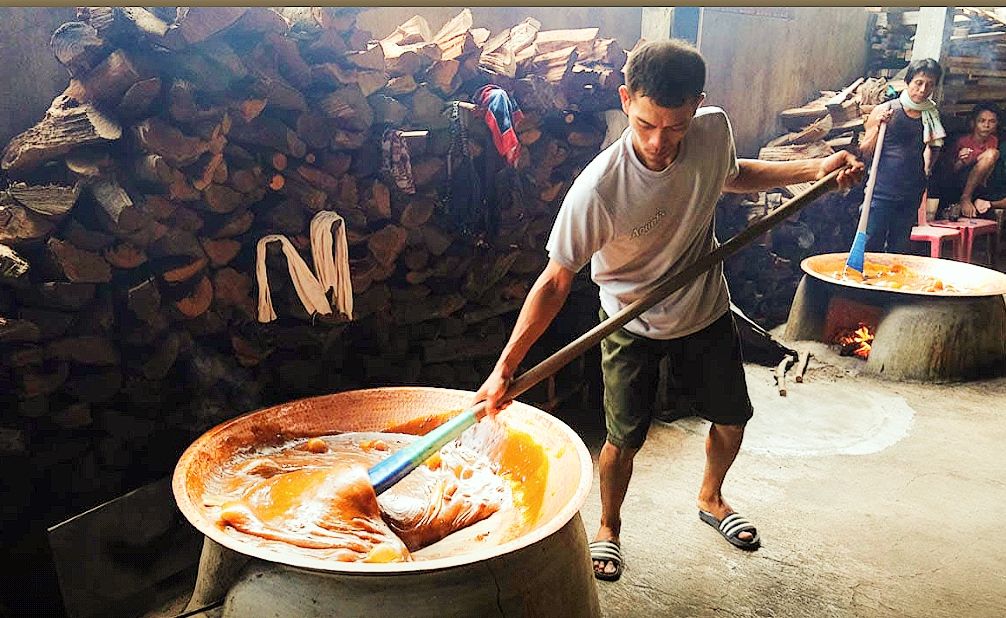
(30, 77)
(760, 64)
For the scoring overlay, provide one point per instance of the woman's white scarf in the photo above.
(932, 128)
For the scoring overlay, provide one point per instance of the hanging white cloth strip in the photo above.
(309, 290)
(330, 252)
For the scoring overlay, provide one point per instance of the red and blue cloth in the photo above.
(502, 115)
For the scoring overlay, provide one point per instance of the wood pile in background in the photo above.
(128, 320)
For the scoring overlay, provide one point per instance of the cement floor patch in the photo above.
(824, 418)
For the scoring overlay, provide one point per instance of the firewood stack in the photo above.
(128, 230)
(976, 71)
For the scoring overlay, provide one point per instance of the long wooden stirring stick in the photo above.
(857, 253)
(399, 464)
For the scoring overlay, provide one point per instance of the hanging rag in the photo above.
(932, 128)
(309, 290)
(502, 115)
(464, 198)
(330, 253)
(396, 163)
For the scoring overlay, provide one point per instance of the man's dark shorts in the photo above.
(706, 367)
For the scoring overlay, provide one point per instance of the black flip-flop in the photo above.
(730, 528)
(608, 551)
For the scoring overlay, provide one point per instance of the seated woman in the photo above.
(967, 167)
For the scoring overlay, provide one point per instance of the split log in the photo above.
(144, 300)
(46, 200)
(198, 302)
(138, 99)
(416, 212)
(184, 272)
(195, 24)
(125, 256)
(222, 199)
(20, 225)
(77, 265)
(14, 331)
(77, 46)
(233, 289)
(401, 85)
(291, 64)
(220, 252)
(377, 204)
(68, 124)
(160, 138)
(387, 244)
(370, 60)
(415, 30)
(271, 133)
(455, 39)
(86, 350)
(349, 108)
(801, 367)
(12, 265)
(109, 81)
(236, 224)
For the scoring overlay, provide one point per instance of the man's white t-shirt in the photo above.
(636, 225)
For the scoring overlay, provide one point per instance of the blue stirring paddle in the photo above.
(399, 464)
(857, 254)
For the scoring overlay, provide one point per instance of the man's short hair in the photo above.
(669, 72)
(925, 65)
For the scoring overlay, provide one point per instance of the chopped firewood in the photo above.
(801, 367)
(68, 124)
(233, 289)
(124, 255)
(107, 82)
(387, 244)
(77, 265)
(269, 132)
(158, 137)
(812, 150)
(46, 200)
(12, 265)
(797, 118)
(77, 46)
(198, 302)
(815, 131)
(86, 350)
(185, 271)
(417, 212)
(780, 374)
(18, 224)
(220, 252)
(195, 24)
(138, 98)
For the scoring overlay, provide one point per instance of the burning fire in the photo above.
(858, 342)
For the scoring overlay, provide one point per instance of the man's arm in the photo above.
(757, 175)
(543, 302)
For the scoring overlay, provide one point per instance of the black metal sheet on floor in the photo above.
(111, 559)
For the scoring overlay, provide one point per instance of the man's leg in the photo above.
(615, 469)
(976, 178)
(630, 367)
(713, 366)
(722, 446)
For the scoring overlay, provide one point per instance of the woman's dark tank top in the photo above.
(901, 173)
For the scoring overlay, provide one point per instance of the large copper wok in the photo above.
(971, 280)
(568, 483)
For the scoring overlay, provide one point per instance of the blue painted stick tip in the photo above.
(857, 253)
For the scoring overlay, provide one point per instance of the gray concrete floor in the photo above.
(872, 498)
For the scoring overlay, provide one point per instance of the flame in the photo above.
(858, 342)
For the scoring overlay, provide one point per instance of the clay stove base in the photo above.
(558, 582)
(918, 338)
